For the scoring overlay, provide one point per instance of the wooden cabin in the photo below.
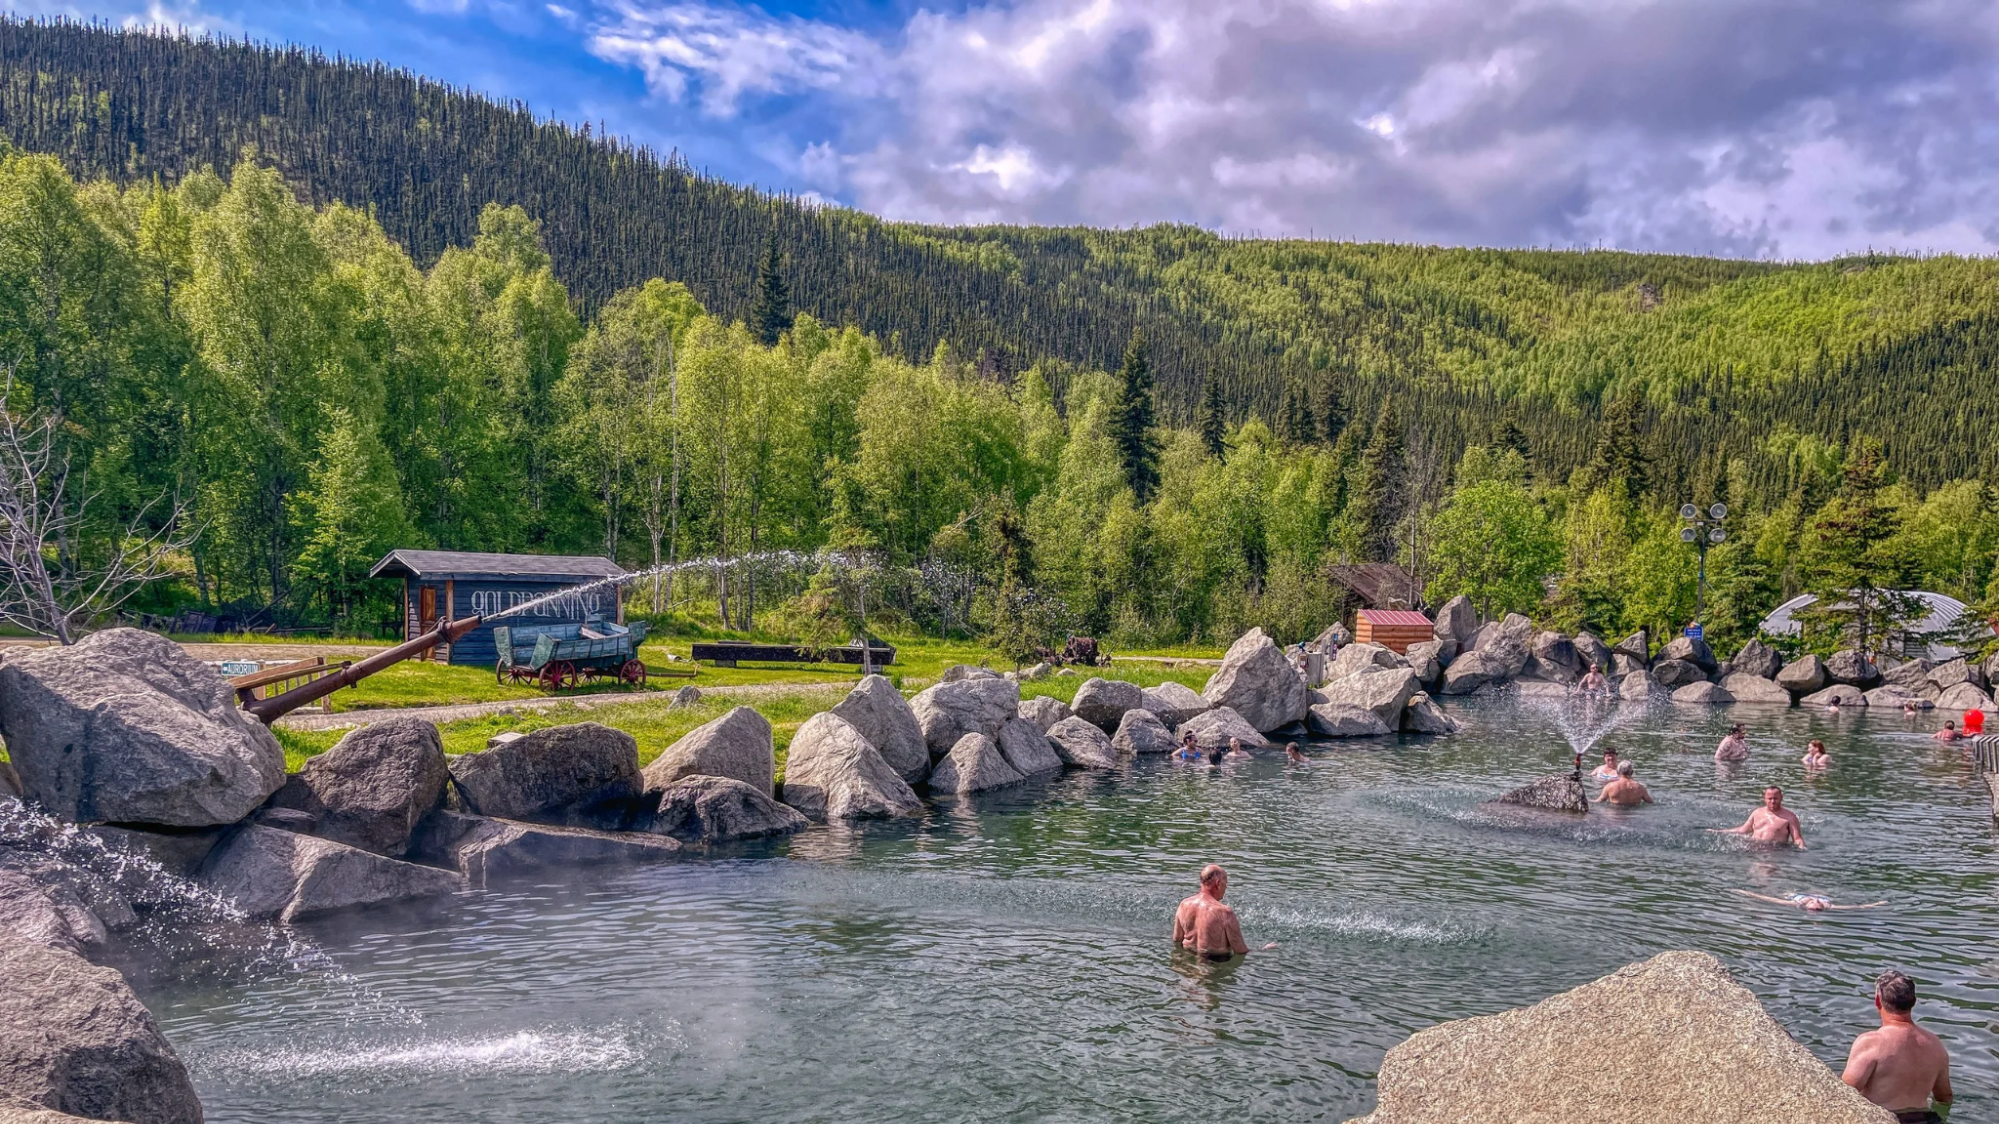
(448, 585)
(1394, 629)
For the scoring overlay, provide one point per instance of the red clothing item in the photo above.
(1974, 722)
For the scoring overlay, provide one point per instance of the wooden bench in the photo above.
(258, 685)
(725, 654)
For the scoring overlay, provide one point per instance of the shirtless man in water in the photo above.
(1733, 746)
(1900, 1067)
(1593, 682)
(1205, 924)
(1771, 824)
(1625, 791)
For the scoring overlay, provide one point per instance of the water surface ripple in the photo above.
(1005, 958)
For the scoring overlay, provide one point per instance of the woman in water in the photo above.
(1608, 770)
(1815, 756)
(1809, 903)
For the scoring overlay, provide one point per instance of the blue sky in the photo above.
(1773, 128)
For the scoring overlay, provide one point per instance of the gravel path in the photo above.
(302, 720)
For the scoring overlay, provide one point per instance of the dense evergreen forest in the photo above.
(331, 307)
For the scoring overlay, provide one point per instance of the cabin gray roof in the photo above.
(481, 565)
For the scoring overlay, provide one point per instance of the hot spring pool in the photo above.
(1006, 958)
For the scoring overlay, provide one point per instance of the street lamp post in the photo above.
(1703, 529)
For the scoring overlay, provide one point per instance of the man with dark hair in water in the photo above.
(1900, 1067)
(1207, 926)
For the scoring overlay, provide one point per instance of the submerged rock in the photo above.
(1173, 702)
(1141, 732)
(1026, 748)
(124, 726)
(375, 785)
(1344, 720)
(947, 712)
(1258, 683)
(1104, 702)
(884, 718)
(583, 773)
(1802, 676)
(1044, 711)
(1214, 727)
(1082, 744)
(483, 848)
(737, 744)
(832, 773)
(77, 1041)
(271, 873)
(1559, 792)
(976, 763)
(716, 810)
(1673, 1038)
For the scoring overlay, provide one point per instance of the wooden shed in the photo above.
(448, 585)
(1394, 629)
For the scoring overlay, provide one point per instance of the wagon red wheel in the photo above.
(520, 674)
(570, 676)
(552, 675)
(633, 672)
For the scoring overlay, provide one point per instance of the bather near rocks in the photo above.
(126, 727)
(1672, 1038)
(1213, 728)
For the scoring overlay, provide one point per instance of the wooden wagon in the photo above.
(561, 656)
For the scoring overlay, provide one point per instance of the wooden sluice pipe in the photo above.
(268, 710)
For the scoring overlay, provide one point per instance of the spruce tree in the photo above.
(1328, 410)
(1299, 426)
(1852, 563)
(1214, 423)
(1619, 462)
(1376, 502)
(772, 316)
(1131, 424)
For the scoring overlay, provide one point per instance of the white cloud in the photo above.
(1777, 127)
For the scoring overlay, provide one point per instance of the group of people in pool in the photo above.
(1190, 751)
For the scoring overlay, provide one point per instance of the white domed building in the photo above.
(1946, 617)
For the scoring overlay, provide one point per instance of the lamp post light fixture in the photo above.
(1703, 529)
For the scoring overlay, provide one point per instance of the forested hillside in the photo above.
(411, 317)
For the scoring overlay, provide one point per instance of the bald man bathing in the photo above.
(1205, 924)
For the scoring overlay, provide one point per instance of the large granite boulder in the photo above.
(1173, 702)
(976, 763)
(1802, 676)
(1897, 696)
(1673, 1038)
(1257, 683)
(1423, 716)
(77, 1041)
(1964, 697)
(1426, 660)
(1344, 720)
(736, 744)
(1845, 695)
(1026, 748)
(1622, 664)
(1213, 728)
(1674, 673)
(1141, 732)
(375, 785)
(1456, 621)
(1104, 702)
(959, 673)
(1636, 646)
(1593, 651)
(1691, 650)
(1470, 672)
(716, 810)
(1362, 656)
(1553, 657)
(1082, 744)
(179, 854)
(1702, 692)
(486, 848)
(1755, 658)
(1991, 669)
(1910, 675)
(1045, 711)
(270, 873)
(1506, 648)
(41, 902)
(831, 772)
(1559, 792)
(1384, 691)
(1635, 685)
(126, 727)
(583, 773)
(884, 718)
(1850, 667)
(1951, 673)
(1755, 689)
(946, 713)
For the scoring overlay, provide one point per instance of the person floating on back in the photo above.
(1900, 1067)
(1771, 824)
(1207, 926)
(1810, 904)
(1734, 747)
(1625, 791)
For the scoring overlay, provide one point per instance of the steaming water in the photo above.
(1005, 959)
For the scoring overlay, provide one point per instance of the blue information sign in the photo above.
(1694, 630)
